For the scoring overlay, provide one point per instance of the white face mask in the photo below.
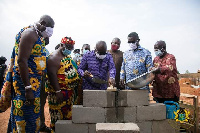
(100, 56)
(133, 46)
(48, 32)
(85, 51)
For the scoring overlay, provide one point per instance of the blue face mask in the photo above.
(66, 52)
(85, 51)
(158, 53)
(77, 55)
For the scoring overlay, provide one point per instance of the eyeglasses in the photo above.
(101, 53)
(133, 41)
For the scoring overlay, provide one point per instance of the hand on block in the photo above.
(111, 88)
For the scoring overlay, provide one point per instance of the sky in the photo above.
(177, 22)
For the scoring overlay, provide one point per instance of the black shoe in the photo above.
(45, 129)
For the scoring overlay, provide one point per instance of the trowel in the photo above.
(98, 80)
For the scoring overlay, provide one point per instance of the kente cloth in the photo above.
(117, 58)
(5, 97)
(99, 68)
(165, 84)
(135, 63)
(68, 79)
(26, 118)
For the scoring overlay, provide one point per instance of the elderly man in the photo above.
(62, 79)
(117, 58)
(97, 63)
(29, 62)
(136, 61)
(3, 68)
(85, 48)
(77, 56)
(165, 85)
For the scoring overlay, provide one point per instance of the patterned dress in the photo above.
(68, 79)
(25, 118)
(135, 63)
(166, 83)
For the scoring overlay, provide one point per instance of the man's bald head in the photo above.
(101, 47)
(160, 44)
(47, 21)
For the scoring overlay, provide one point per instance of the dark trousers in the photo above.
(162, 100)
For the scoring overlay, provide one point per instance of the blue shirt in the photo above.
(135, 63)
(98, 68)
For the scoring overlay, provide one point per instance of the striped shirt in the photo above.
(98, 68)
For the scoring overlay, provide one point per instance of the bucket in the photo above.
(171, 107)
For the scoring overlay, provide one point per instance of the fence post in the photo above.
(196, 114)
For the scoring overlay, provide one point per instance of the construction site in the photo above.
(136, 111)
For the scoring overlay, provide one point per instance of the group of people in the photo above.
(32, 72)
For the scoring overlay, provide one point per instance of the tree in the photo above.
(186, 72)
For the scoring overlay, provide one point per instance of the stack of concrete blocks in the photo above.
(133, 107)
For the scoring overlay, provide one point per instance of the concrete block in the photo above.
(145, 126)
(165, 126)
(92, 128)
(66, 126)
(117, 128)
(133, 98)
(137, 97)
(98, 98)
(127, 114)
(155, 111)
(82, 114)
(122, 98)
(130, 114)
(111, 115)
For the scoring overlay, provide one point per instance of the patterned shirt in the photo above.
(135, 63)
(166, 83)
(98, 68)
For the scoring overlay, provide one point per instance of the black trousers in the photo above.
(162, 100)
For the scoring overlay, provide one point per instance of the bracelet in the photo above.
(28, 87)
(58, 91)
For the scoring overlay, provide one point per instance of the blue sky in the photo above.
(177, 22)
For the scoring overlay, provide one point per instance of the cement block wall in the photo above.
(133, 107)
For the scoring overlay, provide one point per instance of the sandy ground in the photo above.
(187, 89)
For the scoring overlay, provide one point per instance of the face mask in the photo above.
(100, 56)
(85, 51)
(48, 32)
(158, 53)
(133, 46)
(66, 52)
(77, 55)
(114, 47)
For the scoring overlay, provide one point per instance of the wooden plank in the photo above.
(188, 95)
(188, 106)
(196, 124)
(189, 75)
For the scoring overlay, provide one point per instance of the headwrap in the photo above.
(67, 40)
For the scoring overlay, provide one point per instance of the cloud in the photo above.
(88, 21)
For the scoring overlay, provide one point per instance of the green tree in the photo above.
(186, 72)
